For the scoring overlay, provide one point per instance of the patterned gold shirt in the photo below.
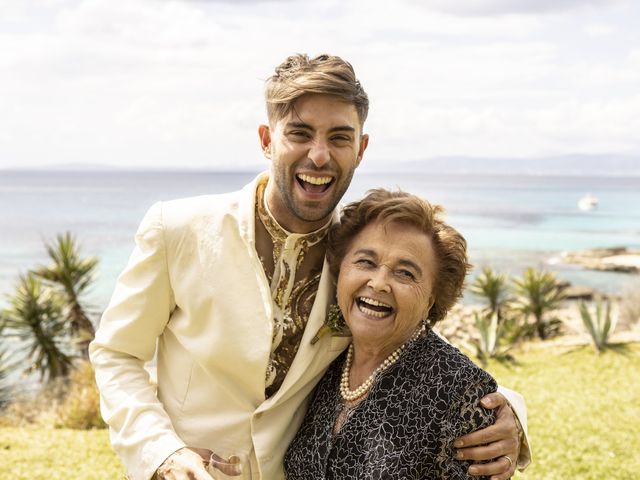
(293, 264)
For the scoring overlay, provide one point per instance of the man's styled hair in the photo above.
(325, 74)
(450, 247)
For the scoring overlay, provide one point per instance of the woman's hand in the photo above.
(186, 463)
(500, 442)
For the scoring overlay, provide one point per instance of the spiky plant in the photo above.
(494, 288)
(537, 294)
(34, 317)
(5, 367)
(72, 275)
(600, 325)
(490, 343)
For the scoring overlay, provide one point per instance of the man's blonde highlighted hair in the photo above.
(325, 74)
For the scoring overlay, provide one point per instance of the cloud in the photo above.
(506, 7)
(599, 30)
(150, 82)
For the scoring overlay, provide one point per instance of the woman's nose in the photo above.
(379, 280)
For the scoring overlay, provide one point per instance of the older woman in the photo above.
(392, 406)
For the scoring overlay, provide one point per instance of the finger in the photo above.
(509, 473)
(503, 428)
(497, 449)
(203, 452)
(493, 400)
(500, 467)
(492, 433)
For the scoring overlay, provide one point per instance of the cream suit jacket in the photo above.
(195, 293)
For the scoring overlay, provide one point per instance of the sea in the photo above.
(511, 222)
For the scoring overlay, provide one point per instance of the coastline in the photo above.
(616, 259)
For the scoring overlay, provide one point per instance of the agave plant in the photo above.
(493, 287)
(72, 275)
(601, 325)
(34, 318)
(537, 294)
(5, 367)
(491, 336)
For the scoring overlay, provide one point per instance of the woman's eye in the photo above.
(363, 262)
(405, 274)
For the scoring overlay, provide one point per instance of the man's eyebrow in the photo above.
(306, 126)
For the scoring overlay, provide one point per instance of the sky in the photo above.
(179, 83)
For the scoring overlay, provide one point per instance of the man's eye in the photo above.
(299, 134)
(340, 138)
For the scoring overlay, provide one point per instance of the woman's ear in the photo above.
(432, 300)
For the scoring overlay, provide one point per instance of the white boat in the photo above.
(588, 202)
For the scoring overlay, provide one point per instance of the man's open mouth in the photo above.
(374, 308)
(314, 184)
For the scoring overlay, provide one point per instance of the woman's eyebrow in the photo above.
(410, 264)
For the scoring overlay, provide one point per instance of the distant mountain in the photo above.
(580, 165)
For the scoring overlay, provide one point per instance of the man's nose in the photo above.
(319, 153)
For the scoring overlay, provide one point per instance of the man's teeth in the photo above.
(315, 180)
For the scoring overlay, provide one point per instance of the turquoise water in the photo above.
(510, 222)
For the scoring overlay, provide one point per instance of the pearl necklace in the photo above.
(350, 395)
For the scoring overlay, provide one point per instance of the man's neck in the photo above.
(285, 219)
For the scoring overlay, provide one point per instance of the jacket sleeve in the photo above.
(520, 410)
(516, 401)
(465, 415)
(141, 431)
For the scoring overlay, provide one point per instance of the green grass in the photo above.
(583, 423)
(30, 453)
(583, 411)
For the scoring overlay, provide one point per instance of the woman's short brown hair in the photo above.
(450, 248)
(325, 74)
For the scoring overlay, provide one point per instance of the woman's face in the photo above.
(385, 284)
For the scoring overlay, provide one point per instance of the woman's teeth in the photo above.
(374, 308)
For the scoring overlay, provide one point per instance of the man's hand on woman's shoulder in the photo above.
(500, 442)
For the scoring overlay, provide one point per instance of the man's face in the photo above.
(314, 151)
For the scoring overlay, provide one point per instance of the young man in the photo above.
(230, 289)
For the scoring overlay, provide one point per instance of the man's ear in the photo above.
(265, 140)
(364, 142)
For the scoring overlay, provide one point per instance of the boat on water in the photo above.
(588, 202)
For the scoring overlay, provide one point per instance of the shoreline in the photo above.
(615, 259)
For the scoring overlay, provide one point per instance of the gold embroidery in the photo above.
(293, 298)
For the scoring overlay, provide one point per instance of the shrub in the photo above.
(72, 402)
(488, 345)
(538, 294)
(492, 287)
(600, 325)
(80, 406)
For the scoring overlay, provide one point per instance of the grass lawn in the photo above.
(583, 423)
(583, 409)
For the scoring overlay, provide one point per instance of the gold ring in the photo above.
(508, 458)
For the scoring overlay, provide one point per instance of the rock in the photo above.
(578, 292)
(618, 259)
